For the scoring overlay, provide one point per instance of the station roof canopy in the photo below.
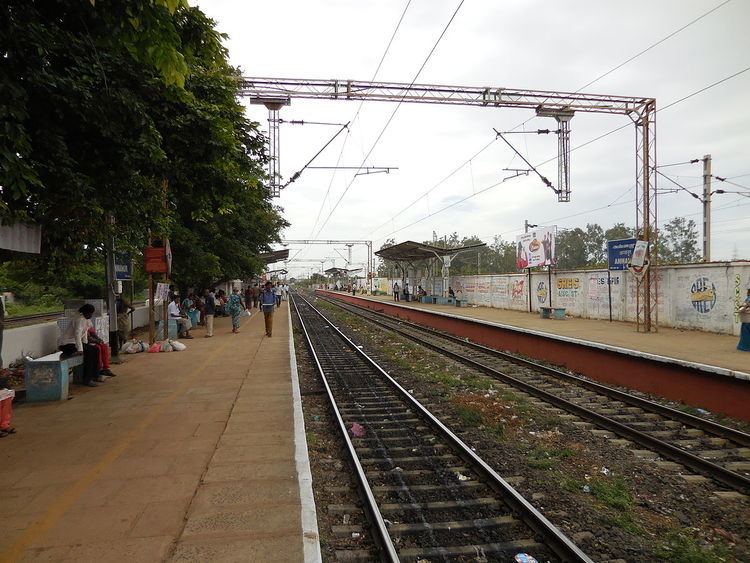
(274, 256)
(338, 272)
(410, 251)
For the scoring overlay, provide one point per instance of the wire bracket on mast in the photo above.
(563, 118)
(274, 143)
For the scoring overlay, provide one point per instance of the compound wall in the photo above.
(695, 296)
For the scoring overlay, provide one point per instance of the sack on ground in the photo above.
(155, 347)
(177, 346)
(246, 313)
(166, 346)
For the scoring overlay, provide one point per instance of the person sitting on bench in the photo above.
(451, 293)
(75, 342)
(183, 322)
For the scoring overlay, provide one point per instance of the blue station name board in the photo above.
(619, 253)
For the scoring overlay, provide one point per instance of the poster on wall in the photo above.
(536, 248)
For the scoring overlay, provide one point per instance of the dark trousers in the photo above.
(90, 360)
(278, 300)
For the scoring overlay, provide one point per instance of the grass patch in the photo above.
(497, 430)
(541, 458)
(312, 439)
(681, 547)
(478, 382)
(469, 416)
(613, 492)
(19, 310)
(625, 522)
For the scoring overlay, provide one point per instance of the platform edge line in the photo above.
(308, 514)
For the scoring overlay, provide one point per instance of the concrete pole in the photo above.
(707, 208)
(114, 344)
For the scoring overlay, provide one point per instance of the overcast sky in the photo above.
(517, 44)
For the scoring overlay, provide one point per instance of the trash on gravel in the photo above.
(397, 470)
(605, 471)
(702, 411)
(387, 523)
(524, 558)
(356, 535)
(411, 391)
(462, 477)
(357, 430)
(316, 417)
(346, 519)
(586, 489)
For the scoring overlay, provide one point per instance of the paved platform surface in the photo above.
(184, 456)
(707, 348)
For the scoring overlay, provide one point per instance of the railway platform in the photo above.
(192, 456)
(698, 368)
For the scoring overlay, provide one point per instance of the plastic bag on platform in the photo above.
(246, 313)
(155, 347)
(177, 346)
(166, 346)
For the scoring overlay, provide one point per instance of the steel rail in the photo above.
(382, 537)
(557, 541)
(714, 428)
(725, 476)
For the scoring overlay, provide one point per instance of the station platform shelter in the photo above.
(197, 455)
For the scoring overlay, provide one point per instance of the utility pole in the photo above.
(707, 208)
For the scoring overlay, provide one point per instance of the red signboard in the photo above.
(156, 260)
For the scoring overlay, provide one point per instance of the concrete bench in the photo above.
(47, 378)
(552, 313)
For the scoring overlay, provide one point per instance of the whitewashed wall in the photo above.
(696, 296)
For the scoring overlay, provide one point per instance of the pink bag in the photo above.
(155, 347)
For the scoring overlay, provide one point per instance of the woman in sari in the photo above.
(235, 308)
(744, 344)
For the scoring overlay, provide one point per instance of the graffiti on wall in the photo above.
(516, 290)
(703, 295)
(737, 297)
(541, 292)
(568, 287)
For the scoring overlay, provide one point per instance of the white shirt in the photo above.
(174, 310)
(77, 332)
(279, 290)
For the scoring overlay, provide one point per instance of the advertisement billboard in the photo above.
(536, 248)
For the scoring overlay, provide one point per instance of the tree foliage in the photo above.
(120, 107)
(678, 242)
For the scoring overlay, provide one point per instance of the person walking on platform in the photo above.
(235, 308)
(744, 344)
(396, 289)
(74, 341)
(267, 303)
(209, 310)
(279, 293)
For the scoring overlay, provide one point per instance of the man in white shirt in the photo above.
(279, 292)
(74, 341)
(183, 322)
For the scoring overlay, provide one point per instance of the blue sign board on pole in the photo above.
(123, 266)
(619, 253)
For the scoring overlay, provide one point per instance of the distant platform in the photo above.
(672, 363)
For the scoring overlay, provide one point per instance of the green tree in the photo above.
(678, 242)
(596, 247)
(619, 231)
(570, 247)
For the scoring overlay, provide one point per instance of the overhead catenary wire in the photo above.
(393, 114)
(620, 65)
(484, 190)
(356, 114)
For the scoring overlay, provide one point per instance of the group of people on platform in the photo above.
(194, 311)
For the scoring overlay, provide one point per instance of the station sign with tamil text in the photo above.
(619, 253)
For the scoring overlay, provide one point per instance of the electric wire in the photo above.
(716, 83)
(356, 115)
(393, 114)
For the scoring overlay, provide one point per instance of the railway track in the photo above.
(36, 318)
(426, 494)
(706, 448)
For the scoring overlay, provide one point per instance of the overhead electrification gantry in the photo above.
(560, 105)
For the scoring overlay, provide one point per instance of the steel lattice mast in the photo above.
(641, 110)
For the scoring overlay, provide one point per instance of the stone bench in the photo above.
(47, 378)
(552, 313)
